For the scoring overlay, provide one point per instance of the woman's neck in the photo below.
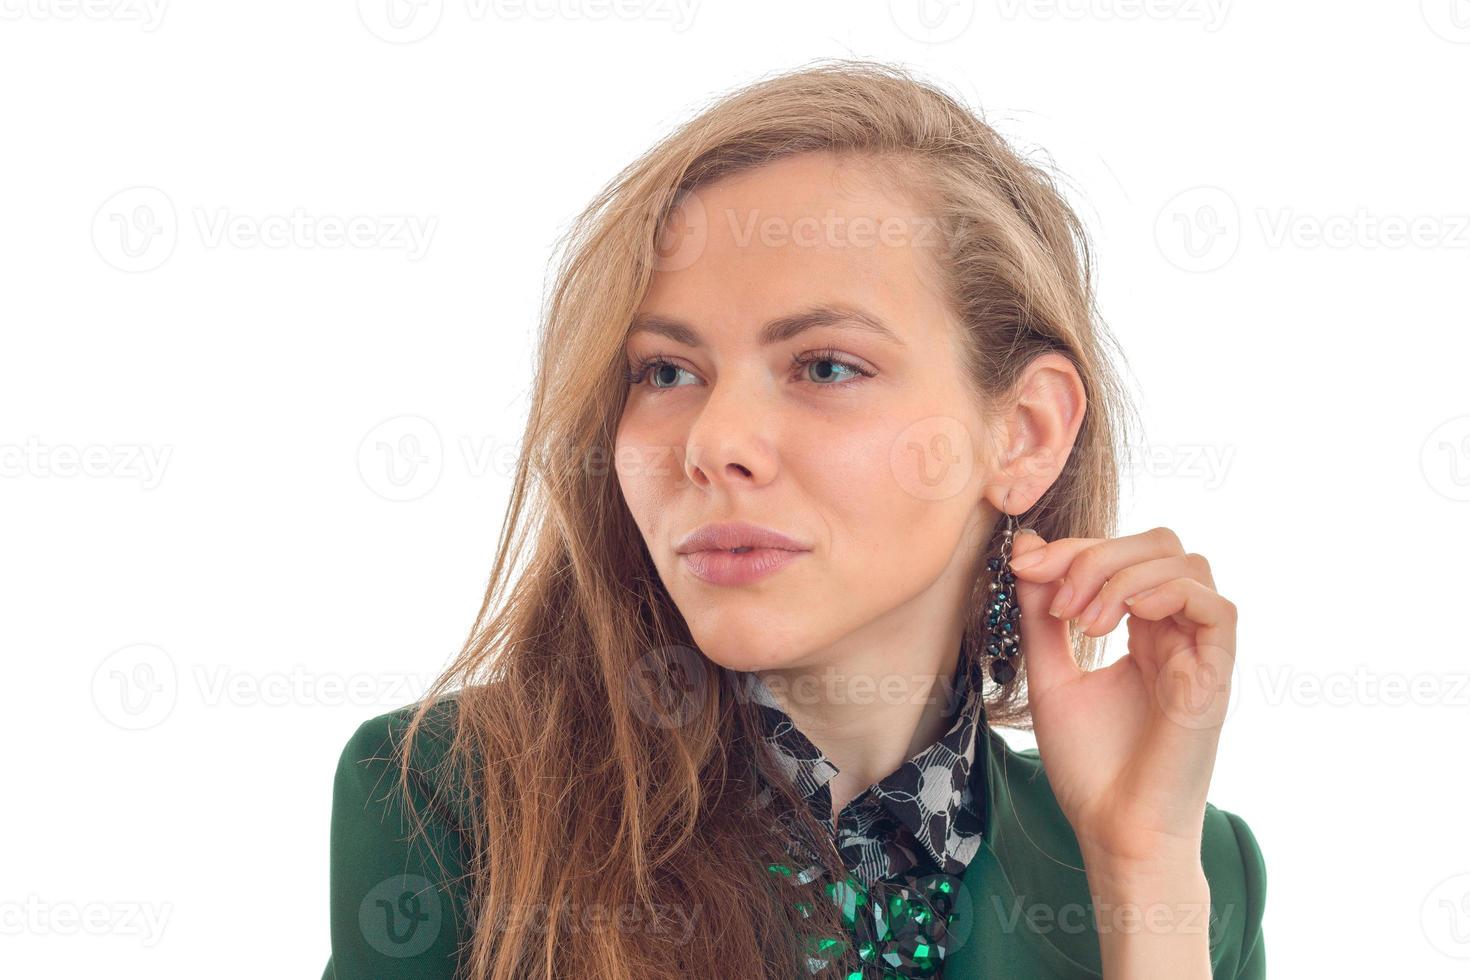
(867, 716)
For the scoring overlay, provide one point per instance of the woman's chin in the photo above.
(726, 648)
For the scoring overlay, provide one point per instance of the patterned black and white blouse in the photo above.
(903, 833)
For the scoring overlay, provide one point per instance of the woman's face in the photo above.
(858, 436)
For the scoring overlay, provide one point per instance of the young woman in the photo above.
(809, 366)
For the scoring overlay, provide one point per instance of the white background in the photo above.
(209, 578)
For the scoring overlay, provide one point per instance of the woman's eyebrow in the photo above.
(777, 330)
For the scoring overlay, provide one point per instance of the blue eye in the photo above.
(665, 373)
(807, 362)
(659, 367)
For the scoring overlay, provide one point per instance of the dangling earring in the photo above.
(1003, 615)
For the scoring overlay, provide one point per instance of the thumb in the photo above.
(1046, 646)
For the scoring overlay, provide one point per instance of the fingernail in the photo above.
(1064, 595)
(1089, 614)
(1028, 559)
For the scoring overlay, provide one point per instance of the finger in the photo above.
(1052, 557)
(1192, 688)
(1198, 608)
(1107, 608)
(1046, 643)
(1024, 542)
(1082, 565)
(1192, 604)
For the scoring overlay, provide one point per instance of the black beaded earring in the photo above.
(1003, 614)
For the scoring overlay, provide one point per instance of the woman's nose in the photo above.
(730, 441)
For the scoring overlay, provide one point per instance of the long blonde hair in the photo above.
(581, 793)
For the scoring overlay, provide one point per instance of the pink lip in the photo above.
(728, 535)
(710, 552)
(731, 568)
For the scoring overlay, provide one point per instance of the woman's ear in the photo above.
(1037, 433)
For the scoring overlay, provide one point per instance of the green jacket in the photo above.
(1023, 910)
